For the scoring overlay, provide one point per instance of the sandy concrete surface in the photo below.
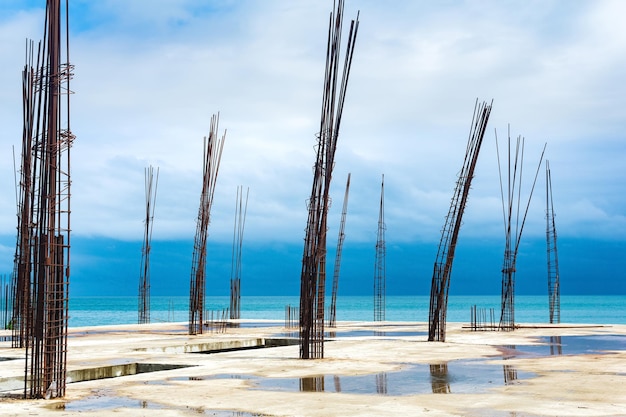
(393, 373)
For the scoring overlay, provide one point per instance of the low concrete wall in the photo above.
(269, 342)
(114, 371)
(101, 372)
(213, 346)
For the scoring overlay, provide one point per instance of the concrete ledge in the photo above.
(213, 346)
(114, 371)
(276, 342)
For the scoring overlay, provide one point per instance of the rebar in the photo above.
(380, 279)
(313, 276)
(235, 271)
(144, 273)
(25, 199)
(554, 285)
(449, 234)
(41, 282)
(332, 322)
(514, 222)
(292, 314)
(197, 287)
(479, 321)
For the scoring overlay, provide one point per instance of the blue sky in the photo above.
(149, 74)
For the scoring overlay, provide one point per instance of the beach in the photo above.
(369, 369)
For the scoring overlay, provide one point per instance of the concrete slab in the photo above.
(395, 371)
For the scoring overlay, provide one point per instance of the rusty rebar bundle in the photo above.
(479, 321)
(235, 271)
(313, 277)
(450, 232)
(6, 301)
(514, 221)
(332, 322)
(380, 278)
(554, 285)
(211, 162)
(25, 209)
(144, 274)
(42, 259)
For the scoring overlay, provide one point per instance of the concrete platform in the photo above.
(370, 369)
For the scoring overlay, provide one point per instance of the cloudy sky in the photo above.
(149, 75)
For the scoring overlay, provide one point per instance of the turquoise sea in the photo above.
(97, 311)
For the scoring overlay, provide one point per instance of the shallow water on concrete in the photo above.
(467, 376)
(255, 324)
(377, 333)
(454, 377)
(105, 400)
(358, 333)
(569, 345)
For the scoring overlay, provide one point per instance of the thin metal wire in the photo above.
(235, 274)
(514, 221)
(144, 274)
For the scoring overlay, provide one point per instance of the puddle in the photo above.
(8, 385)
(568, 345)
(255, 324)
(98, 403)
(360, 333)
(459, 377)
(107, 400)
(486, 412)
(227, 413)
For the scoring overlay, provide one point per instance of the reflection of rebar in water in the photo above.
(312, 384)
(556, 348)
(381, 383)
(439, 378)
(337, 383)
(510, 374)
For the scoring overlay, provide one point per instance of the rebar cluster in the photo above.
(313, 277)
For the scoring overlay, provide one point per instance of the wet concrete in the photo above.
(469, 375)
(568, 345)
(376, 333)
(104, 400)
(453, 377)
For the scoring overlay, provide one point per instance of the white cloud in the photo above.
(148, 79)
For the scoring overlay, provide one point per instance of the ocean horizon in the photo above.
(585, 309)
